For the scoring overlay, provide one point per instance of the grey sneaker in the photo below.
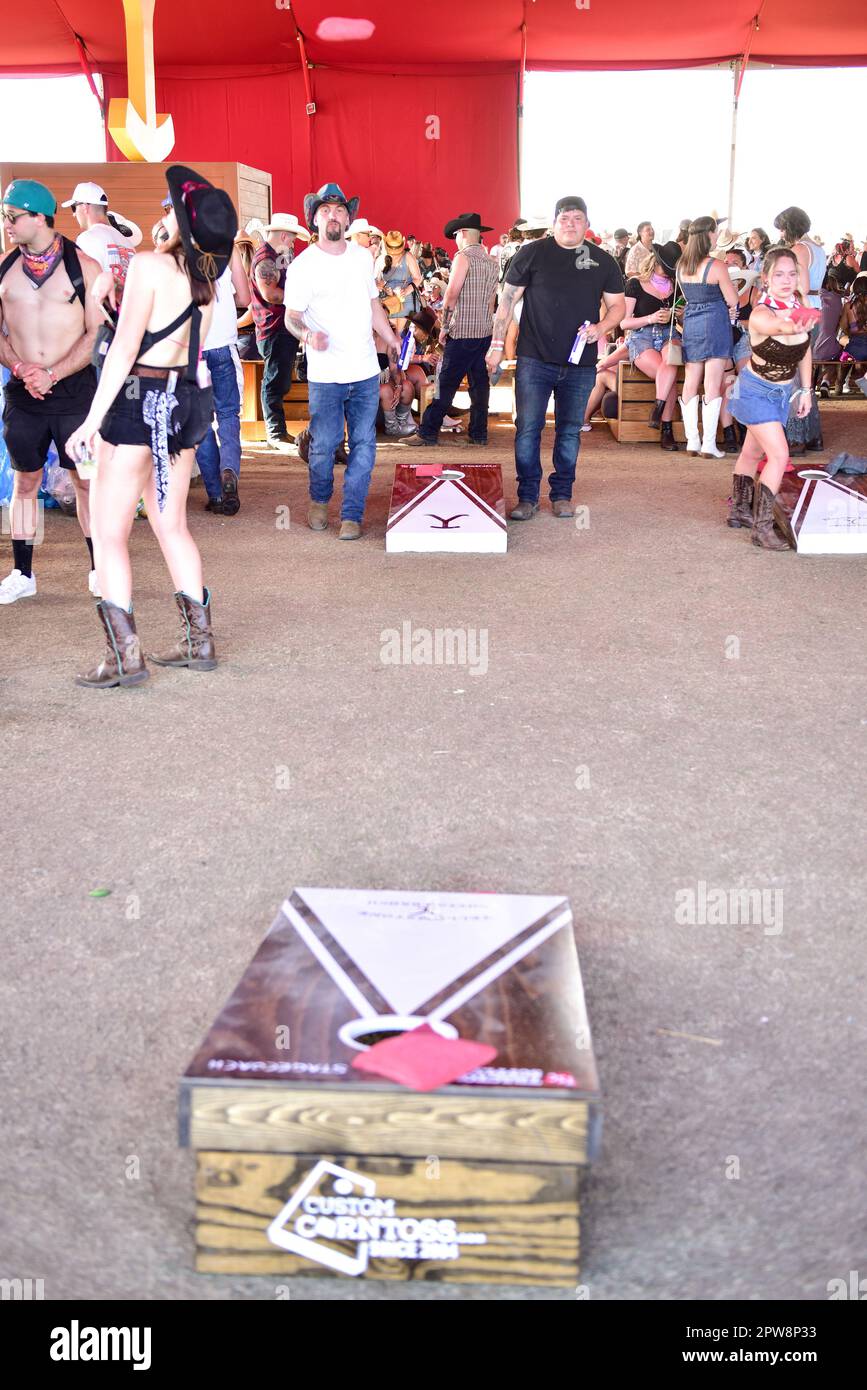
(523, 511)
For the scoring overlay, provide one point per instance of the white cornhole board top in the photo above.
(449, 515)
(830, 519)
(411, 946)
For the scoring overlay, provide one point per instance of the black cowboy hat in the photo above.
(425, 319)
(464, 222)
(207, 221)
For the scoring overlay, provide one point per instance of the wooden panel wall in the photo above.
(137, 190)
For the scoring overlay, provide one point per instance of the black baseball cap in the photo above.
(621, 231)
(571, 205)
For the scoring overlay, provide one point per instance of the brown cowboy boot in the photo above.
(763, 533)
(195, 650)
(742, 501)
(123, 663)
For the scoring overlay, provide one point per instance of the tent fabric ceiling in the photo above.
(559, 34)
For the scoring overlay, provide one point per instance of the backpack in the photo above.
(71, 265)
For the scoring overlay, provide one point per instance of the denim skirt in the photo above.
(707, 331)
(653, 335)
(754, 401)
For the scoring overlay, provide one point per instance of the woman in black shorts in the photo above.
(152, 406)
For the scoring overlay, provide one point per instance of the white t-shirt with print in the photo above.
(333, 294)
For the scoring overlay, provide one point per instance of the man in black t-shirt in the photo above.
(561, 282)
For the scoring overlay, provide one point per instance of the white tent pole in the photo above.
(735, 94)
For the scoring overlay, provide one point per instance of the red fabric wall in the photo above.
(368, 134)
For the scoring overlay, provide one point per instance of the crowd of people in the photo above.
(129, 362)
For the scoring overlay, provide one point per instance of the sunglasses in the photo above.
(166, 204)
(16, 217)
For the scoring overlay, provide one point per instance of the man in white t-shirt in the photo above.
(219, 454)
(332, 306)
(106, 236)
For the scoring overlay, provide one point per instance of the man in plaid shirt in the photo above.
(467, 314)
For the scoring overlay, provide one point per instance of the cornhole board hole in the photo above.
(462, 510)
(305, 1165)
(829, 518)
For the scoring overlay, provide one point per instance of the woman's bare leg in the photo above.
(180, 551)
(121, 475)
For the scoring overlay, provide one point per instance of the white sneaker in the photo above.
(15, 586)
(93, 584)
(585, 429)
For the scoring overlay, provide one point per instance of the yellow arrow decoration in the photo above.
(133, 123)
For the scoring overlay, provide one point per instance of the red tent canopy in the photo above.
(230, 74)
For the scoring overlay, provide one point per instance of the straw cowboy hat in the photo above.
(534, 224)
(285, 222)
(395, 241)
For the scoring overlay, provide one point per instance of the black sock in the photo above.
(22, 552)
(89, 543)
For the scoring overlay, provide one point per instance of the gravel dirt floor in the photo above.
(664, 706)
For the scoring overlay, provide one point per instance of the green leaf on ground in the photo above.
(99, 893)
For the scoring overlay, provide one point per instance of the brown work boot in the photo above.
(349, 531)
(742, 501)
(317, 516)
(763, 533)
(562, 507)
(123, 663)
(523, 511)
(195, 650)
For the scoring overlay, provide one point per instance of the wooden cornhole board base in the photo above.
(307, 1166)
(462, 511)
(827, 516)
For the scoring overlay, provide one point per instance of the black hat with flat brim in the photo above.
(464, 222)
(207, 221)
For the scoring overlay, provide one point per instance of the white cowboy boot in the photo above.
(689, 411)
(709, 420)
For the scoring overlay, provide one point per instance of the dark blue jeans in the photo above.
(534, 383)
(278, 353)
(463, 357)
(211, 456)
(330, 403)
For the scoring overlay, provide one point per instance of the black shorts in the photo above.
(125, 422)
(30, 427)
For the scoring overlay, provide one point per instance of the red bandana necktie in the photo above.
(39, 265)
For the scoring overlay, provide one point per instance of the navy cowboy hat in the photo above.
(328, 193)
(207, 221)
(464, 222)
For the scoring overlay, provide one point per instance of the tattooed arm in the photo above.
(382, 326)
(267, 278)
(505, 314)
(311, 338)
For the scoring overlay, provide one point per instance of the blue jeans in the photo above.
(534, 382)
(211, 456)
(463, 357)
(278, 353)
(330, 403)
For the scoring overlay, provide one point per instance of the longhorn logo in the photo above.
(445, 521)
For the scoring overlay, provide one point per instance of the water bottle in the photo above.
(406, 350)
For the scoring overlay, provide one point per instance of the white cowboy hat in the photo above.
(361, 224)
(741, 277)
(285, 222)
(534, 224)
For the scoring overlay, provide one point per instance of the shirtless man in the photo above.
(46, 341)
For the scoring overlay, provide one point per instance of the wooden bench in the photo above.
(295, 403)
(636, 394)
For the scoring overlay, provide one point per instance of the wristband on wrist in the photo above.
(15, 369)
(497, 343)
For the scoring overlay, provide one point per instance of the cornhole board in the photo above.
(305, 1165)
(829, 517)
(463, 510)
